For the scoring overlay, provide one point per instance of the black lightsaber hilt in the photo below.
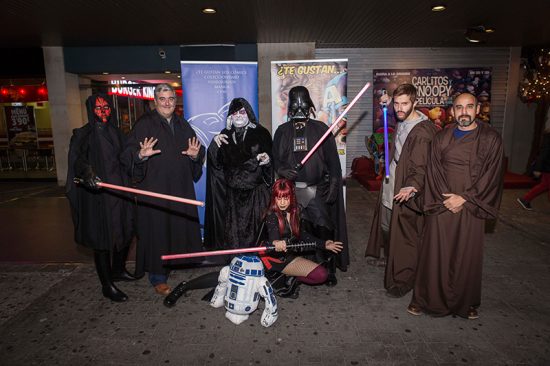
(298, 245)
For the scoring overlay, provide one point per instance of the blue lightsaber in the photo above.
(386, 140)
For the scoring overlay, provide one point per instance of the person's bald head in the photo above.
(465, 109)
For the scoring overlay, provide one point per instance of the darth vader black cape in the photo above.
(323, 164)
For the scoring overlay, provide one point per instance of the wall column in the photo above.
(65, 106)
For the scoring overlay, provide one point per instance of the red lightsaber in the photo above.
(334, 124)
(151, 194)
(232, 251)
(146, 193)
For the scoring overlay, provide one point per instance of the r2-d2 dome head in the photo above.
(247, 265)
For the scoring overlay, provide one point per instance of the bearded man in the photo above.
(398, 219)
(463, 189)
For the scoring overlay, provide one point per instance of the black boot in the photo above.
(176, 293)
(119, 266)
(331, 268)
(291, 289)
(103, 268)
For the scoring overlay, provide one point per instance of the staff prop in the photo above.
(234, 251)
(145, 193)
(333, 126)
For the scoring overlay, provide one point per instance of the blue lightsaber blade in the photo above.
(386, 143)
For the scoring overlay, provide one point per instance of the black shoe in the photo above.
(331, 280)
(525, 204)
(114, 294)
(331, 269)
(398, 291)
(291, 289)
(176, 293)
(123, 276)
(103, 268)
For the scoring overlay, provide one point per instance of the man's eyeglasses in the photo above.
(242, 111)
(104, 108)
(170, 100)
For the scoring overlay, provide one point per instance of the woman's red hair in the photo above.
(285, 188)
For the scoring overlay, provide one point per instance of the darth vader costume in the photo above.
(319, 185)
(102, 218)
(239, 177)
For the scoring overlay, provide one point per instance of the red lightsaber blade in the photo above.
(151, 194)
(146, 193)
(334, 124)
(233, 251)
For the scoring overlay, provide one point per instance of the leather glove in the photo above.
(92, 183)
(90, 179)
(288, 173)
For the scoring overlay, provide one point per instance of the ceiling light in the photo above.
(489, 30)
(209, 11)
(179, 76)
(123, 77)
(475, 34)
(439, 7)
(167, 72)
(105, 73)
(470, 38)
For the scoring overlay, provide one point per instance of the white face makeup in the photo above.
(240, 118)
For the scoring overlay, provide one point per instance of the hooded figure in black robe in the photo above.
(319, 185)
(102, 218)
(239, 178)
(164, 227)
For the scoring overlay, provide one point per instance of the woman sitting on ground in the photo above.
(283, 227)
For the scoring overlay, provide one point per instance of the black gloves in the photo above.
(288, 173)
(92, 183)
(90, 179)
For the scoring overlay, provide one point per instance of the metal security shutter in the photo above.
(361, 62)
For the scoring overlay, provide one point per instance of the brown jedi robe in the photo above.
(406, 219)
(448, 279)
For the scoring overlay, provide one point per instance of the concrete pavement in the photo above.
(54, 314)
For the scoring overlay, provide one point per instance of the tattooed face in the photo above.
(102, 110)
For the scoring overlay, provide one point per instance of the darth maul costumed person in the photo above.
(319, 181)
(102, 218)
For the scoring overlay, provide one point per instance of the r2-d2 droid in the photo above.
(240, 286)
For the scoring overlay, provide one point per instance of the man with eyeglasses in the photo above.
(102, 219)
(164, 155)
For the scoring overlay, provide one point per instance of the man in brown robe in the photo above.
(398, 220)
(463, 188)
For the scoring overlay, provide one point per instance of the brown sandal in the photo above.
(473, 314)
(414, 310)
